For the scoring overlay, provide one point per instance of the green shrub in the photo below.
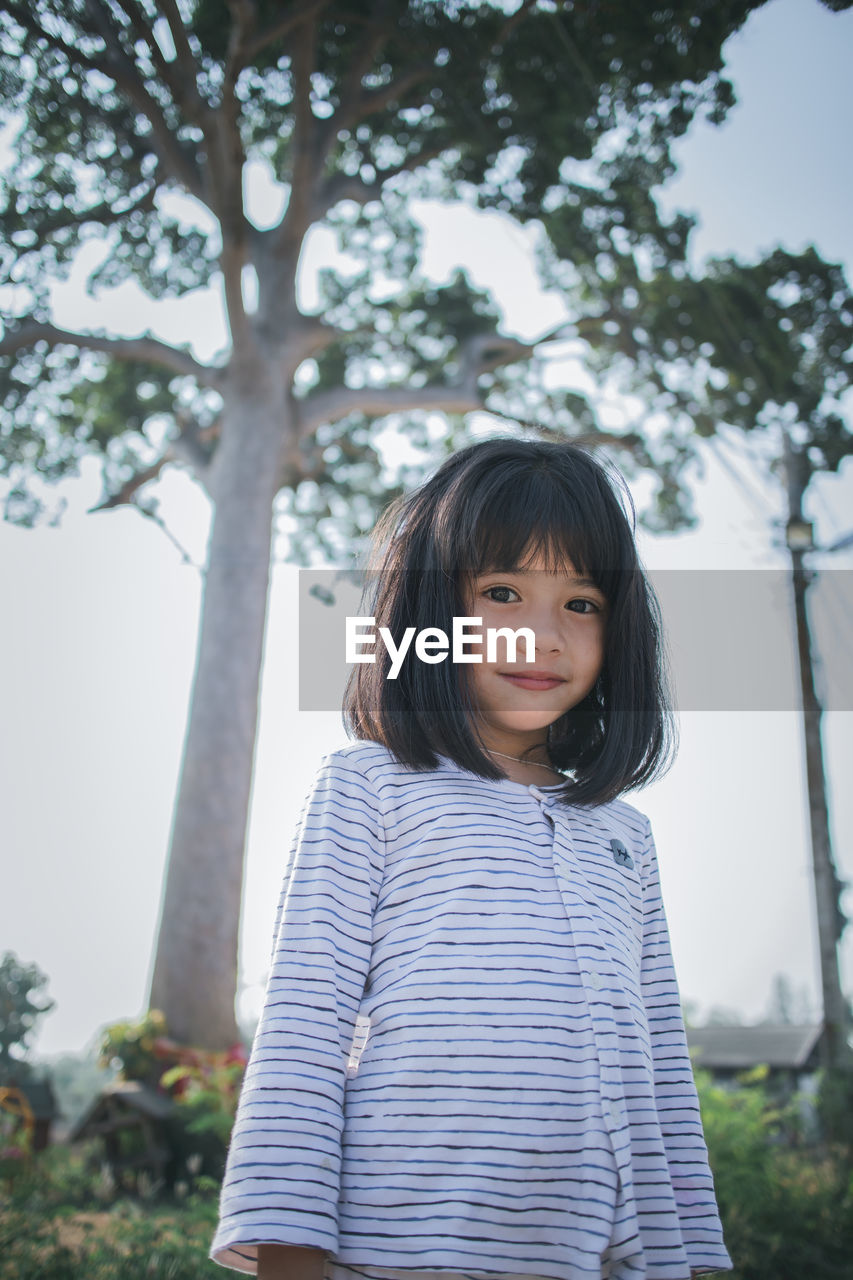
(60, 1221)
(786, 1206)
(204, 1084)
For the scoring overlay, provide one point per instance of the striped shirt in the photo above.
(471, 1057)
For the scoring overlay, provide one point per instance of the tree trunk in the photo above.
(827, 887)
(194, 978)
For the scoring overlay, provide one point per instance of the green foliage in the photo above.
(744, 344)
(135, 143)
(835, 1106)
(131, 1048)
(20, 1010)
(207, 1094)
(787, 1208)
(487, 83)
(749, 345)
(61, 1221)
(204, 1085)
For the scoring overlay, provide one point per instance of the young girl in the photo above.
(467, 884)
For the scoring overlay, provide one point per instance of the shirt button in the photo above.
(595, 980)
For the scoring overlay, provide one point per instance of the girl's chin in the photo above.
(520, 722)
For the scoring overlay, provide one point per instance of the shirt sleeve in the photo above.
(282, 1174)
(676, 1098)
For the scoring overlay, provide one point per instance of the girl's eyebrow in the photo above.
(575, 582)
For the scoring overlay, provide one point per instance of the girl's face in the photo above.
(516, 701)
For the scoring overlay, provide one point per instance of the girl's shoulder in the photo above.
(368, 760)
(364, 756)
(400, 785)
(391, 789)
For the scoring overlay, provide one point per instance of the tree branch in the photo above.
(125, 77)
(144, 348)
(313, 336)
(105, 214)
(188, 448)
(143, 30)
(283, 26)
(512, 22)
(307, 162)
(480, 354)
(129, 488)
(304, 122)
(244, 16)
(179, 76)
(122, 69)
(227, 119)
(372, 100)
(376, 402)
(343, 186)
(183, 50)
(232, 259)
(24, 18)
(351, 93)
(226, 160)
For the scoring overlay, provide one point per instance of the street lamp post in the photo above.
(830, 918)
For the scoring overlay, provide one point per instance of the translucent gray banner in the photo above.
(730, 635)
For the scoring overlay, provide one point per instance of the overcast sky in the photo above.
(102, 613)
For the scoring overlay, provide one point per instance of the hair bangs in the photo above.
(520, 514)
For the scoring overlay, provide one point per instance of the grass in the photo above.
(60, 1220)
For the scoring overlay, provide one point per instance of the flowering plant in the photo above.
(204, 1083)
(207, 1084)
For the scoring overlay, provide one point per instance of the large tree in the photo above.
(765, 348)
(134, 125)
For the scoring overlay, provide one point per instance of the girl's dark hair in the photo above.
(485, 508)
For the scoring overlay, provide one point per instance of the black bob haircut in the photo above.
(495, 505)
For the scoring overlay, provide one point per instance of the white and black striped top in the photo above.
(524, 1102)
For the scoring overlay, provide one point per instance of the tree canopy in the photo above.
(134, 126)
(758, 346)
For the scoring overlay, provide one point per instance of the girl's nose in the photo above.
(549, 638)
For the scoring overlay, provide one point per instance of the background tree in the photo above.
(788, 1005)
(135, 124)
(766, 348)
(20, 1010)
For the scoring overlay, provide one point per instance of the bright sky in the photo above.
(100, 631)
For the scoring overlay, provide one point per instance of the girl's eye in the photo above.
(500, 594)
(593, 607)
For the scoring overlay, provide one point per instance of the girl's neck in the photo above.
(530, 770)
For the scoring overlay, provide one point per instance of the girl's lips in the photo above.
(533, 682)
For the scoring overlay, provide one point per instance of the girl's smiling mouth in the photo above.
(533, 679)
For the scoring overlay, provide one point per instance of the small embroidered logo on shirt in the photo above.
(621, 854)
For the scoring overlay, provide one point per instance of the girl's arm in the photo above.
(282, 1176)
(676, 1100)
(290, 1262)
